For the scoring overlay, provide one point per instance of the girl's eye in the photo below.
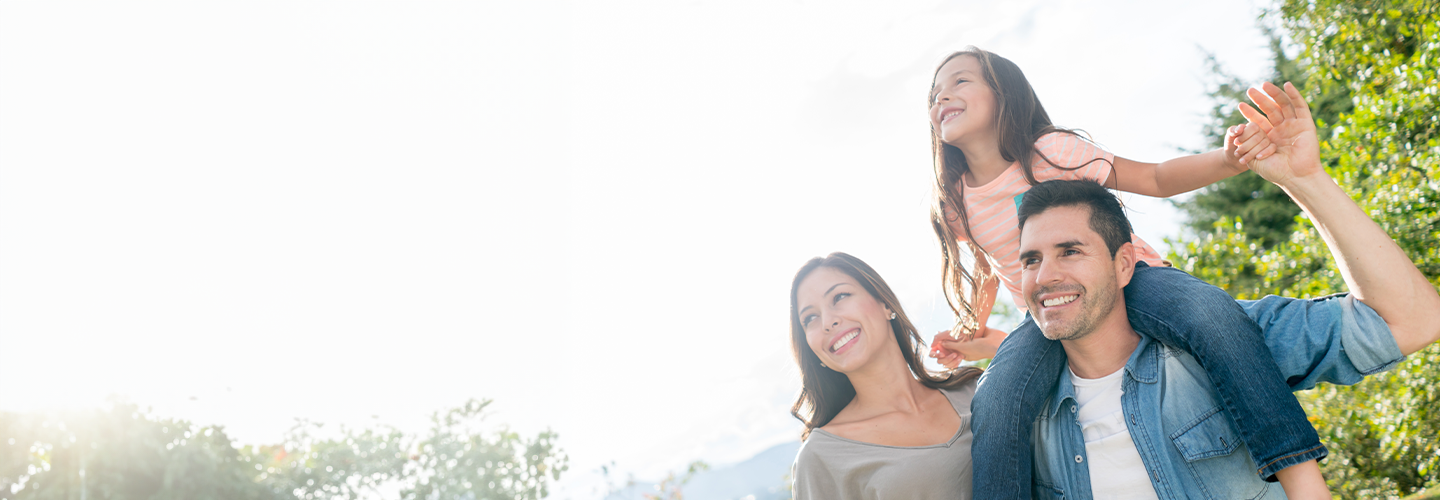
(839, 296)
(805, 321)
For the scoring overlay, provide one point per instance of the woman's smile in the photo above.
(845, 340)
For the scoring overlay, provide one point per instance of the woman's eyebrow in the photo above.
(827, 294)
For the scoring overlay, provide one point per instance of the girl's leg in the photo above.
(1189, 314)
(1019, 379)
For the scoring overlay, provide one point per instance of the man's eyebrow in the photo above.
(1029, 254)
(827, 293)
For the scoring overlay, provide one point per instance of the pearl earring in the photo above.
(892, 315)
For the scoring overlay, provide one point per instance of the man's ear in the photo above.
(1124, 263)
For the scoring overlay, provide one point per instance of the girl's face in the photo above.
(844, 325)
(962, 108)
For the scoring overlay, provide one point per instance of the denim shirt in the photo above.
(1186, 439)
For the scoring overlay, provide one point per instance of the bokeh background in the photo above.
(328, 249)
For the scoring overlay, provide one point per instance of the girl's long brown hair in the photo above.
(824, 392)
(1020, 121)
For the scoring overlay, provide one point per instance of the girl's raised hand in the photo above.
(1287, 123)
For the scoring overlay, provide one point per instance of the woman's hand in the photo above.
(950, 351)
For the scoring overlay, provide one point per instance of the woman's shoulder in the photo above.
(961, 394)
(812, 460)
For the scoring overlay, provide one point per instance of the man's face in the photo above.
(1068, 278)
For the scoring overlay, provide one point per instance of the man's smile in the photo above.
(1060, 300)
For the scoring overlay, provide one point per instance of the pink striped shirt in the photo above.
(991, 208)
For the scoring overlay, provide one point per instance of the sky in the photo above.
(355, 212)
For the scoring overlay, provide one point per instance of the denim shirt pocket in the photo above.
(1042, 491)
(1209, 435)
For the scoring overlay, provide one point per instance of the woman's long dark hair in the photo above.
(1020, 121)
(824, 392)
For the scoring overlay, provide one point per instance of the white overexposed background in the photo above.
(242, 213)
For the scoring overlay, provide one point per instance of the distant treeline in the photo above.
(121, 452)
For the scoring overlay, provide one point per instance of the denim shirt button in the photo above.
(1073, 410)
(1079, 459)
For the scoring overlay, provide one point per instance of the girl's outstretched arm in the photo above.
(1188, 173)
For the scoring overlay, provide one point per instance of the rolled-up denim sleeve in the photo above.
(1334, 339)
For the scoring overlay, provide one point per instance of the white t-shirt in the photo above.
(1116, 470)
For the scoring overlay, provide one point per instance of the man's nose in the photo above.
(1045, 272)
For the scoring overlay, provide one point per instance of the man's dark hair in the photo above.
(1107, 218)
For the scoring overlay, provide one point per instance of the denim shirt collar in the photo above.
(1143, 367)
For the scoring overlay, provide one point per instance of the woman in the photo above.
(875, 419)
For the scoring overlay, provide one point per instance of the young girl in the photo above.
(992, 140)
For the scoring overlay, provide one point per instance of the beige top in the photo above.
(830, 467)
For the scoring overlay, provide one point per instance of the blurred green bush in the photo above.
(121, 452)
(1383, 147)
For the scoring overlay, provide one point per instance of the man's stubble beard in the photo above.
(1090, 312)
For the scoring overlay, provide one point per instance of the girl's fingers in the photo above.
(1266, 104)
(1247, 150)
(1256, 118)
(1249, 132)
(1265, 153)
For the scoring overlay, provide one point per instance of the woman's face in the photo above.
(963, 106)
(844, 325)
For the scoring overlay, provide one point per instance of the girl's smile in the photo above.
(962, 106)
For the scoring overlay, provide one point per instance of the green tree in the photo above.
(120, 452)
(1268, 212)
(1385, 151)
(458, 460)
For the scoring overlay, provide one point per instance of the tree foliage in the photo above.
(1269, 213)
(1384, 150)
(120, 452)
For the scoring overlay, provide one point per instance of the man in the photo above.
(1136, 419)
